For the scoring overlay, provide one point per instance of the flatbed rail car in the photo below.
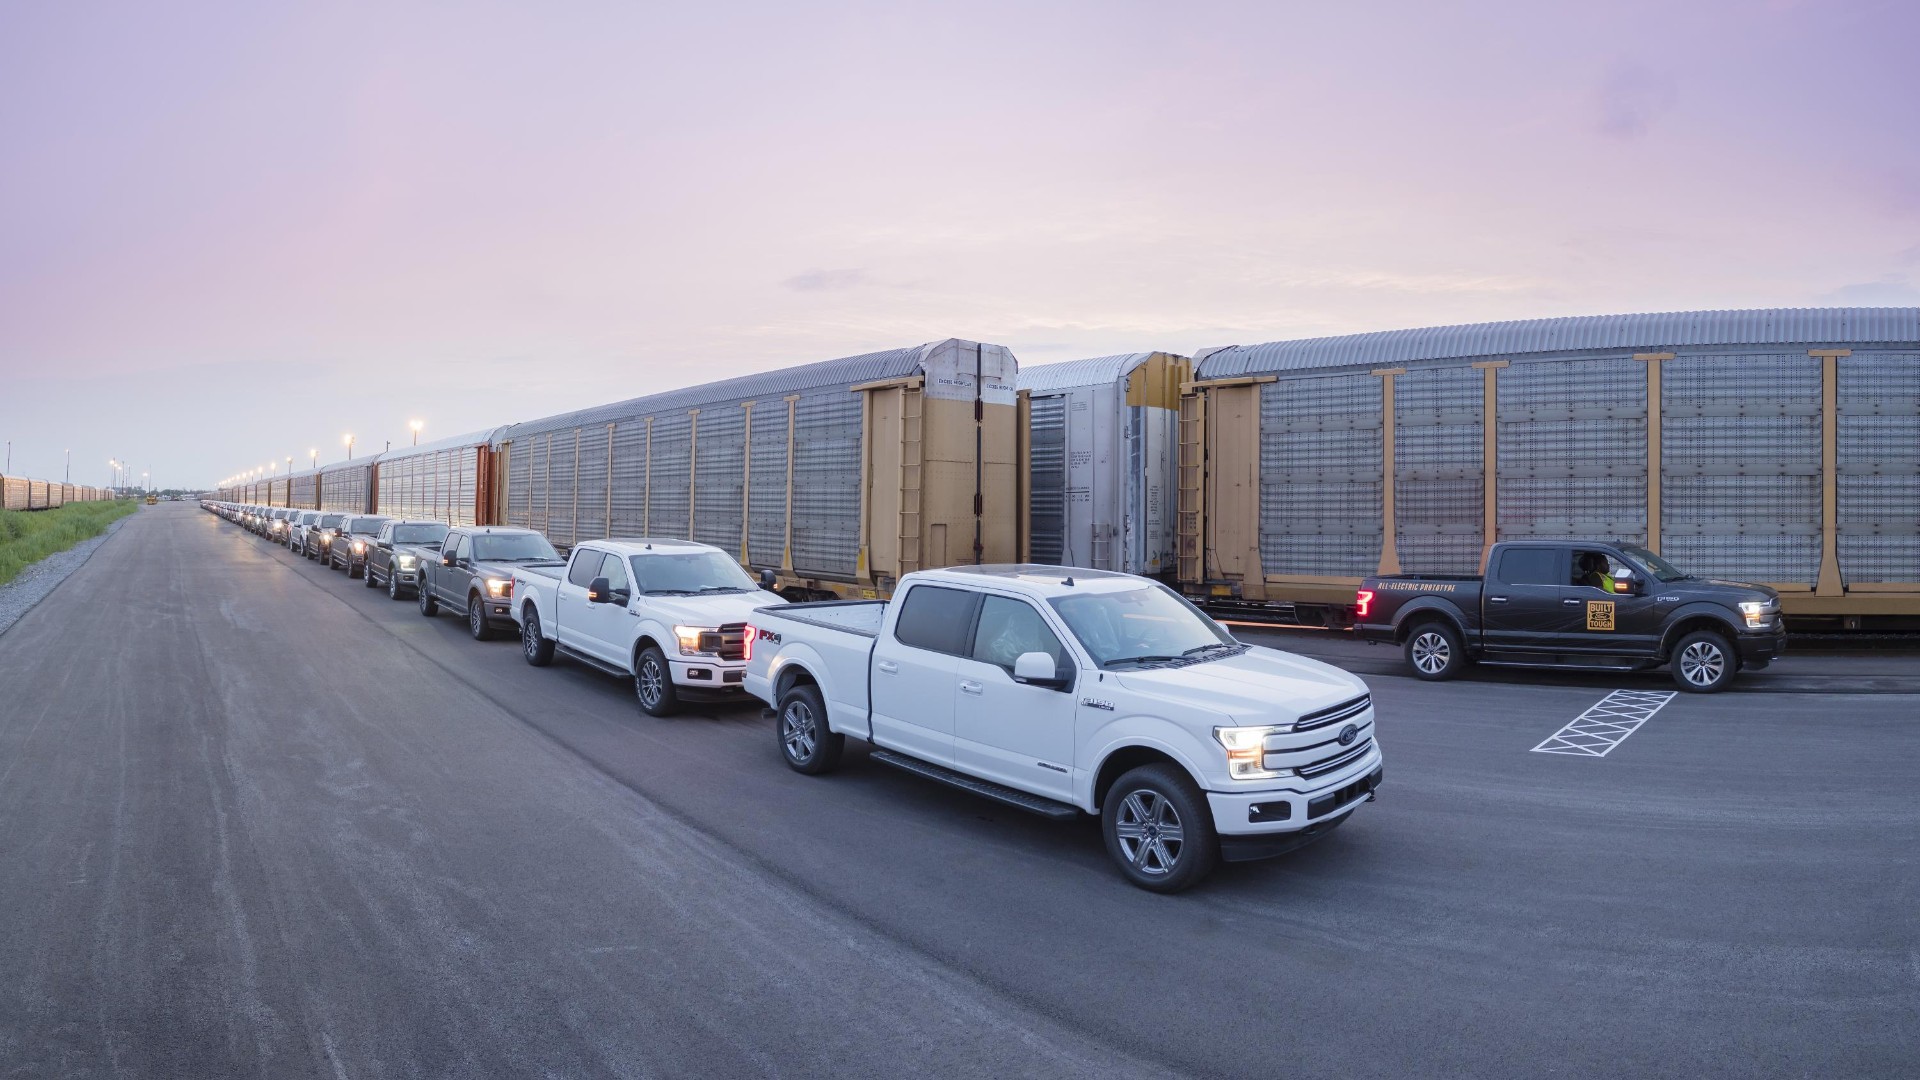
(1098, 443)
(839, 477)
(1776, 446)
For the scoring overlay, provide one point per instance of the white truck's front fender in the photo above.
(1150, 732)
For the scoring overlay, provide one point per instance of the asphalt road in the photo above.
(256, 820)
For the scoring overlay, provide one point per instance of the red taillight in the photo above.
(1362, 603)
(746, 642)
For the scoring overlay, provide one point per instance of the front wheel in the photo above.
(653, 684)
(537, 649)
(366, 576)
(805, 739)
(1435, 652)
(393, 585)
(1703, 662)
(1159, 829)
(477, 618)
(428, 605)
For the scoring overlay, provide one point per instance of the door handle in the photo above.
(887, 667)
(968, 686)
(1496, 599)
(1570, 600)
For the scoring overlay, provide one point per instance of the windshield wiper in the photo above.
(1149, 659)
(667, 592)
(1234, 648)
(722, 588)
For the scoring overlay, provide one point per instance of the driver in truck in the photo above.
(1593, 571)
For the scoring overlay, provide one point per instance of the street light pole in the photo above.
(349, 440)
(416, 426)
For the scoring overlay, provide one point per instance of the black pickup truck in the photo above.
(1592, 605)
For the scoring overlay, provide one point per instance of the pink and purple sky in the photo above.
(233, 232)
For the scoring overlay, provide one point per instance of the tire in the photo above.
(653, 683)
(1159, 829)
(1434, 652)
(537, 649)
(393, 584)
(477, 618)
(801, 726)
(1704, 662)
(428, 605)
(366, 576)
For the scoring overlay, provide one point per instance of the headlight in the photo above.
(406, 562)
(689, 637)
(359, 548)
(1759, 612)
(498, 587)
(1246, 751)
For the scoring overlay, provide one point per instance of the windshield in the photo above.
(332, 521)
(1142, 625)
(513, 547)
(419, 534)
(690, 572)
(1659, 567)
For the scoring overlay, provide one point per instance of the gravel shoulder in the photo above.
(38, 581)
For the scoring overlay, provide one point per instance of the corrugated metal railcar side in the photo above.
(1779, 446)
(1099, 438)
(440, 481)
(838, 476)
(13, 493)
(347, 487)
(38, 495)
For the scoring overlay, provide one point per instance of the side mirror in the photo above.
(1037, 669)
(767, 580)
(600, 592)
(446, 560)
(1624, 582)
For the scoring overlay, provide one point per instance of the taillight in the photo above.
(746, 642)
(1363, 603)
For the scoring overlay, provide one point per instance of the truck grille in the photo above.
(728, 643)
(1337, 762)
(1335, 713)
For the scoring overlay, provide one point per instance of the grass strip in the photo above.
(27, 536)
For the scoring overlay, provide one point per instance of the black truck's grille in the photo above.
(729, 642)
(1334, 714)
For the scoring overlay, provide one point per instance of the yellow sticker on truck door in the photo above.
(1599, 614)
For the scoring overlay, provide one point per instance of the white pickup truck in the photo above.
(669, 614)
(1062, 690)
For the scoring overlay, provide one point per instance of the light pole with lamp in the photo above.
(416, 426)
(349, 441)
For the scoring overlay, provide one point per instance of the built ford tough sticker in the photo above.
(1599, 614)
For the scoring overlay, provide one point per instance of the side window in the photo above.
(450, 546)
(614, 569)
(937, 619)
(1594, 570)
(464, 550)
(1530, 566)
(1009, 628)
(585, 567)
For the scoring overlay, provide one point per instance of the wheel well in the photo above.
(1123, 761)
(793, 676)
(1692, 623)
(646, 641)
(1422, 618)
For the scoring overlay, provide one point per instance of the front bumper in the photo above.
(718, 676)
(1276, 813)
(1760, 649)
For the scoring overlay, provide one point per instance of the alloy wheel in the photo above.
(1431, 652)
(799, 732)
(650, 682)
(1702, 662)
(1149, 832)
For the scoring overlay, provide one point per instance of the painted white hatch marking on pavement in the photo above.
(1598, 730)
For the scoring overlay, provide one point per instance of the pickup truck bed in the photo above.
(861, 617)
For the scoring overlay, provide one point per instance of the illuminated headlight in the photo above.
(359, 548)
(689, 637)
(498, 587)
(1246, 751)
(1759, 613)
(406, 562)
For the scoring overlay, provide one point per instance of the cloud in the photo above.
(827, 280)
(1630, 97)
(1894, 290)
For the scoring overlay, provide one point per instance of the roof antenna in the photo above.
(1067, 582)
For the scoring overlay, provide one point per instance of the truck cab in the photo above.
(669, 614)
(1070, 691)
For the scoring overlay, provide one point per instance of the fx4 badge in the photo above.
(1096, 703)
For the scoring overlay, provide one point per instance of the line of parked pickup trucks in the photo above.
(1056, 690)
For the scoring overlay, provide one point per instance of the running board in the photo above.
(590, 661)
(1032, 804)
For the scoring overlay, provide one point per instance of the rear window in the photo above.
(937, 619)
(1530, 566)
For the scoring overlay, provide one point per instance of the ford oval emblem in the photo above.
(1348, 734)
